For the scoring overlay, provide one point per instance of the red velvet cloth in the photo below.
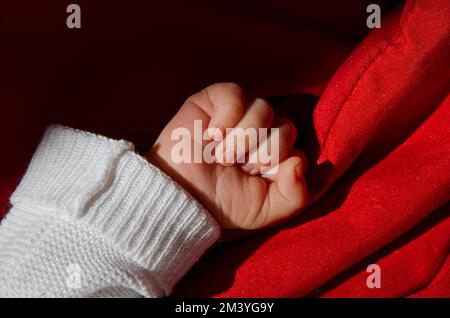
(378, 138)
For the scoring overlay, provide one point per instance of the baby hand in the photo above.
(237, 195)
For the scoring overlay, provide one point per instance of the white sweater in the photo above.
(93, 219)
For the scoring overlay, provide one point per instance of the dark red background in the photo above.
(372, 110)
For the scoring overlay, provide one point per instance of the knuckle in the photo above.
(232, 87)
(264, 108)
(230, 95)
(227, 88)
(292, 129)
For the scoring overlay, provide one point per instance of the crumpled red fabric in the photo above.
(372, 109)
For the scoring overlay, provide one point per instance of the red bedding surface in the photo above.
(372, 109)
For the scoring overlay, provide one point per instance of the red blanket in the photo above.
(378, 137)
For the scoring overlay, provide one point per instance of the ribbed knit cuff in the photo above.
(103, 184)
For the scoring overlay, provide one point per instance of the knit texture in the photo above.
(91, 218)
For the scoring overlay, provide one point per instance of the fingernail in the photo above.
(269, 170)
(249, 167)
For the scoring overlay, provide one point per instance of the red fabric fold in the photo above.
(439, 287)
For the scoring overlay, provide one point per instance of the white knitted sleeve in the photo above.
(93, 219)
